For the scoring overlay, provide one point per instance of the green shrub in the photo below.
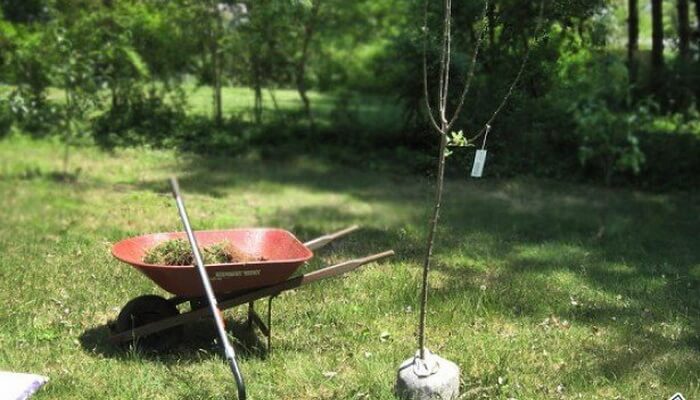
(144, 119)
(203, 135)
(35, 116)
(608, 140)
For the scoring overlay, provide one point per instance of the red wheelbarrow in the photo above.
(156, 322)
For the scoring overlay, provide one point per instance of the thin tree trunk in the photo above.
(683, 30)
(491, 15)
(217, 70)
(443, 128)
(273, 97)
(685, 95)
(632, 40)
(257, 108)
(697, 25)
(114, 97)
(309, 30)
(257, 87)
(67, 134)
(657, 45)
(431, 241)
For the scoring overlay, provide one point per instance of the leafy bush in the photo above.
(148, 118)
(29, 64)
(33, 115)
(607, 139)
(202, 135)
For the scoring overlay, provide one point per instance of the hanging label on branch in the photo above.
(479, 161)
(480, 157)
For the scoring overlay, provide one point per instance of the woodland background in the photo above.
(610, 92)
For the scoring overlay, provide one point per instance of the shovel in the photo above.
(213, 305)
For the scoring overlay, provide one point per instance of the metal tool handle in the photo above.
(213, 305)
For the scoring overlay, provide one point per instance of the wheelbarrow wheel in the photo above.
(145, 310)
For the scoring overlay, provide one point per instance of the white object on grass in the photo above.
(15, 386)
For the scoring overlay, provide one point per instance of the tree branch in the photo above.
(443, 54)
(472, 68)
(448, 59)
(426, 94)
(488, 123)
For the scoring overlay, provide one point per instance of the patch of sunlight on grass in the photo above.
(557, 254)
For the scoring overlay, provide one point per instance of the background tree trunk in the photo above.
(309, 30)
(657, 46)
(697, 16)
(257, 89)
(491, 15)
(632, 40)
(683, 30)
(217, 68)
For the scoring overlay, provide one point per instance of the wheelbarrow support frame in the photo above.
(237, 299)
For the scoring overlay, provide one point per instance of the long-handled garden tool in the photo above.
(213, 305)
(157, 323)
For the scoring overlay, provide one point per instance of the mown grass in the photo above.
(540, 290)
(364, 110)
(377, 112)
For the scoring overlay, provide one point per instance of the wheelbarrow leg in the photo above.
(269, 324)
(254, 320)
(251, 311)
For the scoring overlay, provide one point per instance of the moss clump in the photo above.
(178, 252)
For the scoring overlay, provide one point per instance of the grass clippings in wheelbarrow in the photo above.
(179, 252)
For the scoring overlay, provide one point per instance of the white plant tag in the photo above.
(479, 161)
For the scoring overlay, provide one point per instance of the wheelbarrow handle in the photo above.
(319, 242)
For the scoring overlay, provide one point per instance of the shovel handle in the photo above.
(213, 304)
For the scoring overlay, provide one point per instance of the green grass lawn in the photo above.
(376, 111)
(540, 290)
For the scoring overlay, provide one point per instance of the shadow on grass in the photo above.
(199, 343)
(548, 248)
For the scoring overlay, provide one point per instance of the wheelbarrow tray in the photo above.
(282, 252)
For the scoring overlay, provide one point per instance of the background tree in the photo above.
(657, 46)
(310, 18)
(632, 39)
(24, 11)
(697, 23)
(74, 72)
(267, 37)
(204, 28)
(683, 29)
(154, 58)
